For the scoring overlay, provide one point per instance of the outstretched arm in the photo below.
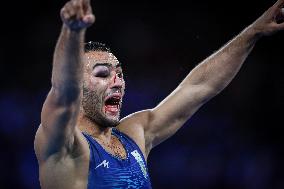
(61, 107)
(210, 77)
(205, 81)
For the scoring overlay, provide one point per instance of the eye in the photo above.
(101, 71)
(102, 74)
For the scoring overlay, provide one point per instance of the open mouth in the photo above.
(112, 104)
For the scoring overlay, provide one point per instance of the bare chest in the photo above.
(114, 147)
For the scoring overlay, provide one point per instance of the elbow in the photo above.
(211, 92)
(204, 93)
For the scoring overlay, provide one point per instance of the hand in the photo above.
(77, 14)
(271, 21)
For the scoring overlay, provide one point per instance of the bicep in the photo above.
(169, 115)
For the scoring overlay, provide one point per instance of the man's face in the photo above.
(103, 88)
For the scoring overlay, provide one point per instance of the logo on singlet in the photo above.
(104, 163)
(140, 161)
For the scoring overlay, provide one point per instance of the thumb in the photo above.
(89, 19)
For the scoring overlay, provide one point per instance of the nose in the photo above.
(115, 78)
(117, 81)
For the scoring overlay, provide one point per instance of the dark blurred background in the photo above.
(233, 142)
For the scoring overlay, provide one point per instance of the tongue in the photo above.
(111, 108)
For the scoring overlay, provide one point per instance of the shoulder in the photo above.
(134, 127)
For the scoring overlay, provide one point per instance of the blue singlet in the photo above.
(108, 171)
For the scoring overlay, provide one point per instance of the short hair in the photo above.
(96, 46)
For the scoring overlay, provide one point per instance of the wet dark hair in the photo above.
(96, 46)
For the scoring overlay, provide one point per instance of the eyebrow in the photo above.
(107, 65)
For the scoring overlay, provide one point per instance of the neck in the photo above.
(90, 127)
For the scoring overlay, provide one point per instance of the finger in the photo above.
(86, 1)
(70, 9)
(281, 26)
(78, 8)
(63, 13)
(78, 1)
(67, 11)
(88, 10)
(279, 4)
(87, 7)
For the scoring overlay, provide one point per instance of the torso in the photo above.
(110, 170)
(73, 172)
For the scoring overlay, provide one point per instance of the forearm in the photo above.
(216, 72)
(67, 69)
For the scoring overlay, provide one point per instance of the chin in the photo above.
(105, 120)
(112, 121)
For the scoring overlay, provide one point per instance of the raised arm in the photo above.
(60, 110)
(207, 79)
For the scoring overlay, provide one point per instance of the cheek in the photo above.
(98, 84)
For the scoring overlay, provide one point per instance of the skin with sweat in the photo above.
(87, 91)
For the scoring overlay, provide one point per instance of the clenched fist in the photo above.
(77, 14)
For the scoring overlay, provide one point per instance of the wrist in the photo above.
(251, 35)
(72, 31)
(254, 33)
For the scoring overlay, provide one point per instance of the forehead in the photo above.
(98, 57)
